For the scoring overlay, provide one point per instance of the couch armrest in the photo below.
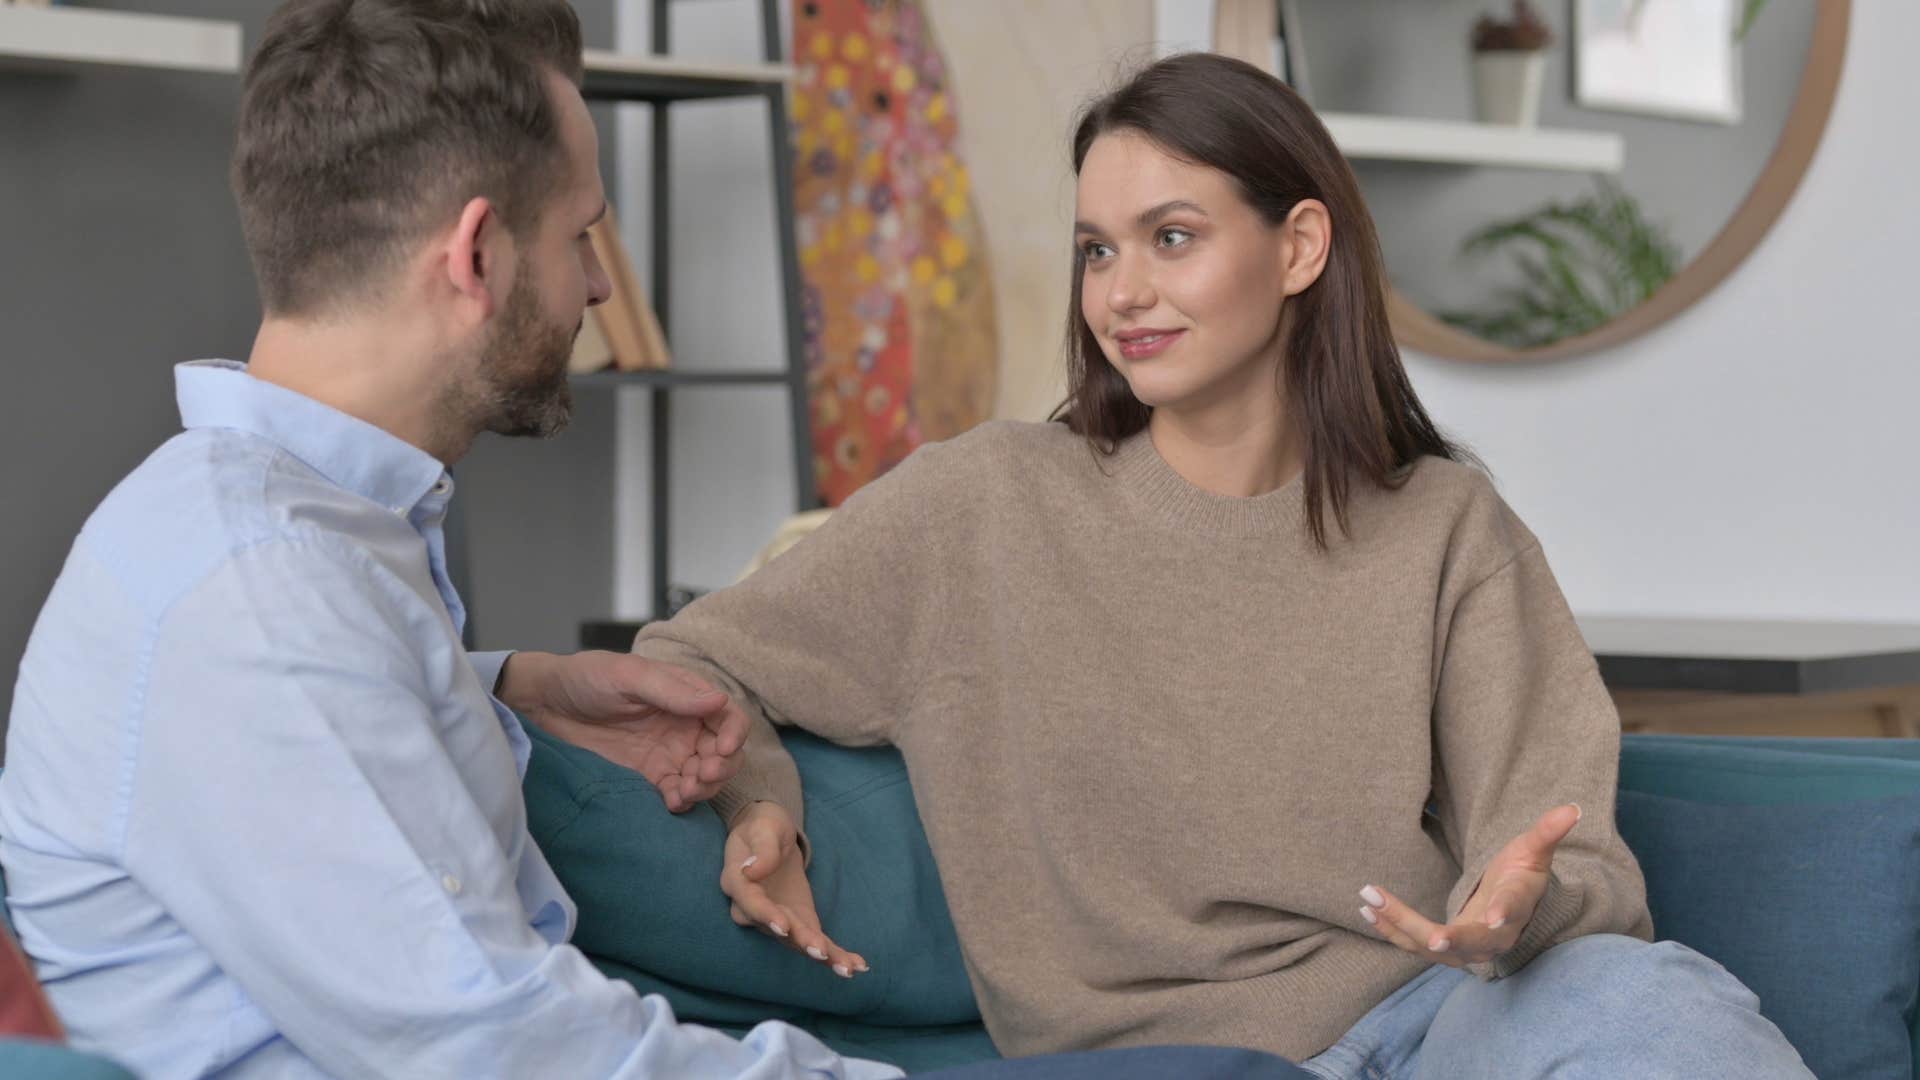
(51, 1061)
(1718, 769)
(1776, 770)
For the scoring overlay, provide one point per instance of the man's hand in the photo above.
(766, 879)
(1501, 905)
(656, 719)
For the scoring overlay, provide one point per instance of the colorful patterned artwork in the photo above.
(901, 343)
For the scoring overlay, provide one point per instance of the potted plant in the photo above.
(1509, 65)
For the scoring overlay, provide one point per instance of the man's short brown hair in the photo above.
(366, 124)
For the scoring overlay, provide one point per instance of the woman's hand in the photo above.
(1501, 905)
(766, 879)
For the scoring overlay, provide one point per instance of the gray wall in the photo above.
(120, 256)
(1411, 59)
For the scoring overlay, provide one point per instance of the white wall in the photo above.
(1759, 456)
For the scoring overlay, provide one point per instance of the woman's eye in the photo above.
(1175, 237)
(1094, 249)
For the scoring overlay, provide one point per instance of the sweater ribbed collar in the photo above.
(1137, 465)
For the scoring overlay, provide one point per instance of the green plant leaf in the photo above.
(1583, 263)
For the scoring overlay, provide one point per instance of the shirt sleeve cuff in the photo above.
(488, 666)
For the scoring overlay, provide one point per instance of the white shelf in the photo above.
(60, 37)
(600, 61)
(1451, 142)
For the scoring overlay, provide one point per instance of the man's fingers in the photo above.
(729, 726)
(667, 687)
(670, 794)
(716, 770)
(696, 791)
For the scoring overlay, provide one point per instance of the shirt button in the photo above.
(440, 487)
(401, 510)
(451, 884)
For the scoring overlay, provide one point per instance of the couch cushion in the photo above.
(49, 1061)
(647, 885)
(1724, 769)
(1813, 906)
(1768, 771)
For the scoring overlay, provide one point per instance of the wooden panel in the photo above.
(1884, 713)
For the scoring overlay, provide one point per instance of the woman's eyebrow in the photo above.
(1146, 217)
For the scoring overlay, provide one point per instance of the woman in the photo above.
(1239, 708)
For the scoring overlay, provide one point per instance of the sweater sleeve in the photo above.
(1522, 723)
(831, 635)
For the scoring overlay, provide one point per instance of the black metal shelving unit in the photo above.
(661, 81)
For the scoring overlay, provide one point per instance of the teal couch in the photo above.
(1732, 833)
(1768, 805)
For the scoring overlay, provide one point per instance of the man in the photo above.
(262, 812)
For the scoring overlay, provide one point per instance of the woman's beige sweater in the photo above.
(1159, 740)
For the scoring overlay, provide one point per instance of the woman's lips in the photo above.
(1137, 346)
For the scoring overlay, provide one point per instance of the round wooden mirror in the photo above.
(1543, 198)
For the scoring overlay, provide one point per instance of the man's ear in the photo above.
(476, 262)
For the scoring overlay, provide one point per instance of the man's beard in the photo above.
(524, 369)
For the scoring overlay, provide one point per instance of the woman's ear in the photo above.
(1306, 238)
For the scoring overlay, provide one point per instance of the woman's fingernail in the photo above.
(1438, 944)
(1577, 811)
(815, 952)
(1496, 923)
(843, 971)
(1372, 896)
(778, 930)
(751, 859)
(1367, 914)
(863, 968)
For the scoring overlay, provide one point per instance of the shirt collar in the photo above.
(352, 453)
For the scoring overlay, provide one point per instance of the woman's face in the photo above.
(1183, 280)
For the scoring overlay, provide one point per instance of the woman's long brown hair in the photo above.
(1342, 377)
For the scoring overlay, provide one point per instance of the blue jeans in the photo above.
(1599, 1006)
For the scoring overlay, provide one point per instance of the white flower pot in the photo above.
(1506, 86)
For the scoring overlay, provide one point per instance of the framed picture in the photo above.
(1676, 58)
